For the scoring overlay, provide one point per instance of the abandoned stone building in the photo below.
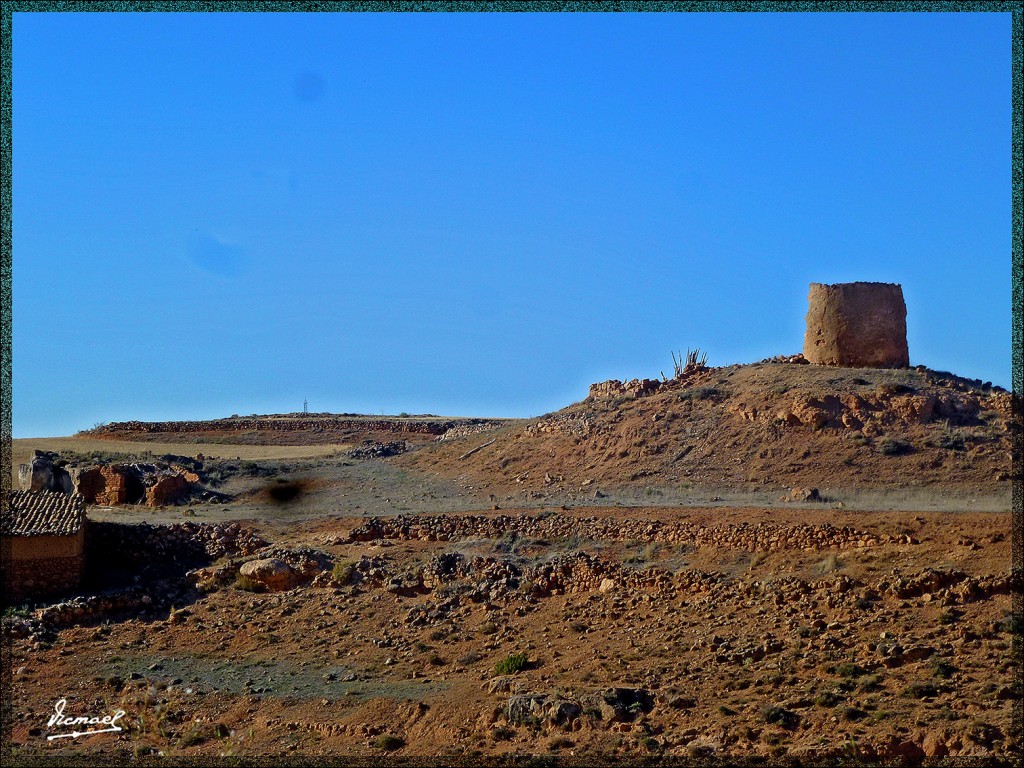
(46, 531)
(110, 484)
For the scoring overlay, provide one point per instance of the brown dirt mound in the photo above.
(773, 424)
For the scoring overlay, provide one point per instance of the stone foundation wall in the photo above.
(857, 325)
(38, 577)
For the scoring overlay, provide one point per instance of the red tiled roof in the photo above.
(43, 513)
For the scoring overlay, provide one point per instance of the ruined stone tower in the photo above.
(857, 325)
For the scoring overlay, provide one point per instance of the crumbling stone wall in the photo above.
(89, 482)
(857, 325)
(189, 475)
(104, 485)
(168, 489)
(115, 486)
(616, 388)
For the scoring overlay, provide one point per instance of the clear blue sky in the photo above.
(481, 214)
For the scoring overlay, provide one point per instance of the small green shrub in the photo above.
(943, 669)
(511, 664)
(981, 733)
(649, 743)
(953, 440)
(246, 584)
(890, 446)
(701, 393)
(828, 699)
(921, 690)
(343, 572)
(23, 611)
(388, 743)
(560, 742)
(848, 669)
(830, 564)
(195, 735)
(780, 716)
(1013, 624)
(871, 682)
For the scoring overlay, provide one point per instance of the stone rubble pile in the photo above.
(798, 359)
(612, 705)
(465, 430)
(613, 388)
(573, 425)
(374, 450)
(179, 542)
(753, 537)
(430, 426)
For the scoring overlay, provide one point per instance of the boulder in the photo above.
(272, 574)
(804, 494)
(934, 745)
(211, 578)
(525, 709)
(562, 712)
(623, 704)
(43, 473)
(34, 477)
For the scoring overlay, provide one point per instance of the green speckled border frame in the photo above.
(6, 158)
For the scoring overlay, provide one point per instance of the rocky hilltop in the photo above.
(778, 423)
